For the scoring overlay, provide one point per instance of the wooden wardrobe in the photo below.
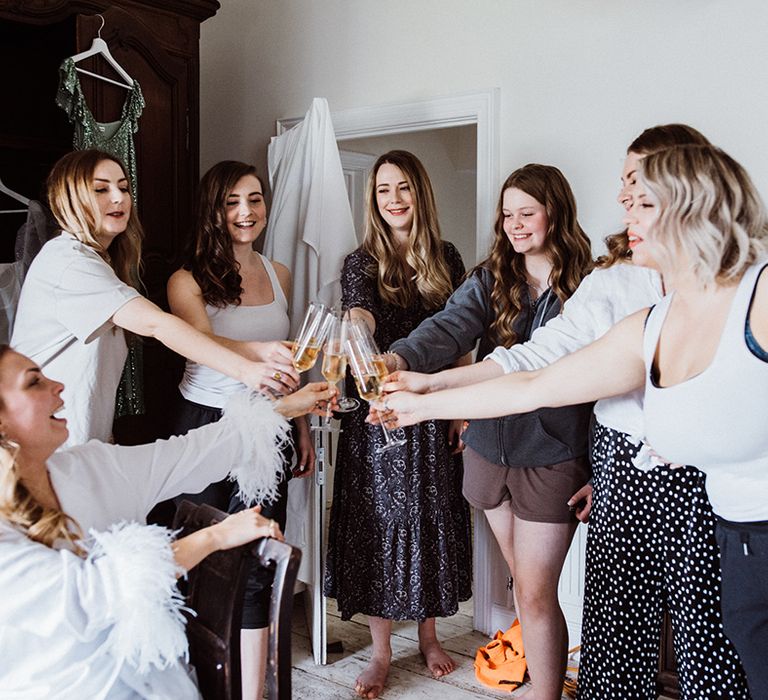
(157, 42)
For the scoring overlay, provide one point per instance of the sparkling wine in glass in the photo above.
(369, 372)
(334, 365)
(308, 342)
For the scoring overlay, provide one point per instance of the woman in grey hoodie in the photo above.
(521, 470)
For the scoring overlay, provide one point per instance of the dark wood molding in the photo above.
(46, 11)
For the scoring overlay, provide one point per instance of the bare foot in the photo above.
(437, 661)
(370, 683)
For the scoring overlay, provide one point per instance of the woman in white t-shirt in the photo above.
(88, 603)
(702, 359)
(80, 294)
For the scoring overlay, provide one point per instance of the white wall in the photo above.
(449, 156)
(579, 79)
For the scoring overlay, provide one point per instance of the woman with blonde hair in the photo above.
(521, 470)
(700, 355)
(80, 295)
(88, 603)
(624, 621)
(399, 541)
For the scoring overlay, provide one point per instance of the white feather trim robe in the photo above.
(109, 626)
(82, 628)
(100, 484)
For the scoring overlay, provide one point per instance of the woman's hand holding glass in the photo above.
(404, 380)
(369, 371)
(276, 378)
(400, 409)
(315, 397)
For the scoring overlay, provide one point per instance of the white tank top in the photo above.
(264, 322)
(718, 419)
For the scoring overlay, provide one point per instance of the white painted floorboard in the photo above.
(408, 676)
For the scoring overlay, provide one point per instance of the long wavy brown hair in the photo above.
(652, 140)
(420, 272)
(211, 256)
(19, 507)
(567, 247)
(73, 202)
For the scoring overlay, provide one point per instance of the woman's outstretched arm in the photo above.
(141, 316)
(611, 366)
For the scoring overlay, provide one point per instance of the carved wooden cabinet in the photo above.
(157, 42)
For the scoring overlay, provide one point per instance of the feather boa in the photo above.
(149, 629)
(264, 433)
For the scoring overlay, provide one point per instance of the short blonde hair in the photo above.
(73, 203)
(709, 211)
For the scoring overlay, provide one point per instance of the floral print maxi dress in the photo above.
(399, 542)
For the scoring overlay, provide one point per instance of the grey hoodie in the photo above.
(536, 439)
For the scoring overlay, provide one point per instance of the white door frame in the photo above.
(356, 167)
(480, 109)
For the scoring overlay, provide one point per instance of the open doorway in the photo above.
(440, 132)
(449, 156)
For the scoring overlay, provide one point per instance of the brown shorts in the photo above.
(537, 494)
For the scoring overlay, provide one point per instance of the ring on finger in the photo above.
(277, 376)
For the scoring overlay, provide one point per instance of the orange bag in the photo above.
(501, 663)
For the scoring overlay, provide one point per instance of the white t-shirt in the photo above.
(63, 323)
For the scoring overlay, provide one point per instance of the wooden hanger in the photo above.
(99, 47)
(14, 195)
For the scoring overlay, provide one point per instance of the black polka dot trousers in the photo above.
(651, 546)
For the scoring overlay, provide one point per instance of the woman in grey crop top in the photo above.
(229, 291)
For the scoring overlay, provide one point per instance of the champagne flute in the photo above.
(369, 371)
(334, 363)
(346, 404)
(308, 342)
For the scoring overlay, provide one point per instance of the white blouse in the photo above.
(604, 297)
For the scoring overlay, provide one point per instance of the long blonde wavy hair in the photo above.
(652, 140)
(421, 272)
(709, 210)
(19, 507)
(567, 247)
(73, 202)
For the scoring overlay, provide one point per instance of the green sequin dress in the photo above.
(115, 138)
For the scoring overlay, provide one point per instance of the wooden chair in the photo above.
(215, 589)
